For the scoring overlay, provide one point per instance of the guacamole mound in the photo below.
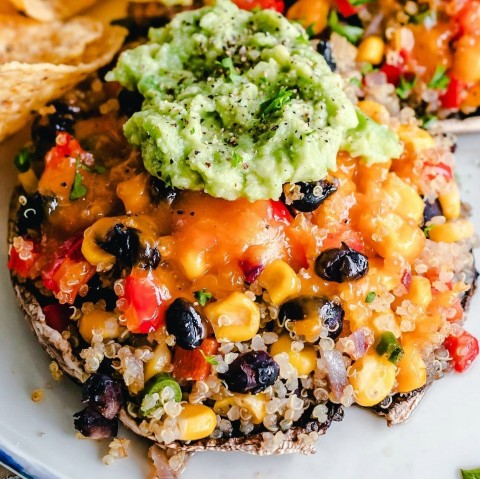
(238, 103)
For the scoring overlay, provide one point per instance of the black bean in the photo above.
(159, 191)
(103, 394)
(95, 293)
(30, 216)
(431, 210)
(93, 425)
(251, 372)
(312, 194)
(341, 264)
(185, 323)
(325, 49)
(123, 243)
(130, 101)
(329, 313)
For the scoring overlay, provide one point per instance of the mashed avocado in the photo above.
(238, 103)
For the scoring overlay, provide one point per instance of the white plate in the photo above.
(39, 438)
(442, 436)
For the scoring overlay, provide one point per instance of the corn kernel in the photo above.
(196, 421)
(193, 263)
(385, 321)
(371, 50)
(412, 372)
(134, 194)
(303, 361)
(385, 272)
(452, 231)
(420, 292)
(415, 139)
(372, 378)
(280, 281)
(29, 181)
(376, 111)
(235, 318)
(450, 202)
(308, 12)
(390, 234)
(255, 404)
(161, 357)
(93, 253)
(404, 200)
(103, 321)
(222, 406)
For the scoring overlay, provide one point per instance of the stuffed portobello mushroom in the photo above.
(226, 253)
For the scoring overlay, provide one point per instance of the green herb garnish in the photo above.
(470, 473)
(236, 158)
(276, 103)
(427, 229)
(428, 120)
(370, 298)
(350, 32)
(93, 169)
(357, 3)
(203, 296)
(310, 32)
(439, 79)
(366, 68)
(78, 188)
(210, 359)
(23, 160)
(390, 347)
(405, 87)
(355, 81)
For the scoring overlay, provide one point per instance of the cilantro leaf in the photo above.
(23, 160)
(428, 120)
(210, 359)
(276, 103)
(93, 169)
(236, 158)
(357, 3)
(470, 474)
(370, 298)
(78, 188)
(350, 32)
(405, 87)
(203, 296)
(355, 81)
(310, 31)
(439, 79)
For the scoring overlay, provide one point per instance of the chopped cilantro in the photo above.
(470, 473)
(357, 3)
(310, 31)
(93, 169)
(405, 87)
(428, 120)
(23, 160)
(427, 229)
(203, 296)
(366, 68)
(210, 359)
(355, 81)
(439, 79)
(78, 188)
(370, 298)
(350, 32)
(236, 158)
(275, 103)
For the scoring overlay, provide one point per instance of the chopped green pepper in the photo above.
(389, 346)
(370, 298)
(157, 385)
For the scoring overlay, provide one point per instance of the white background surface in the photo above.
(443, 434)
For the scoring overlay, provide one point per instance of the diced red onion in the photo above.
(375, 78)
(362, 339)
(337, 372)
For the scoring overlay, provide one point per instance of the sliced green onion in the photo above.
(23, 160)
(390, 347)
(370, 298)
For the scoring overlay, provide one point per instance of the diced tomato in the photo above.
(452, 98)
(463, 350)
(192, 365)
(68, 272)
(146, 303)
(277, 5)
(22, 263)
(433, 170)
(393, 73)
(280, 212)
(57, 316)
(346, 8)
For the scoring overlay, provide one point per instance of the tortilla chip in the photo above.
(29, 41)
(27, 87)
(47, 10)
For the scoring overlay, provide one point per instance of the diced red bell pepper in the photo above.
(250, 270)
(277, 5)
(68, 272)
(437, 169)
(279, 212)
(146, 304)
(22, 263)
(57, 316)
(452, 98)
(463, 350)
(392, 72)
(192, 365)
(468, 19)
(346, 8)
